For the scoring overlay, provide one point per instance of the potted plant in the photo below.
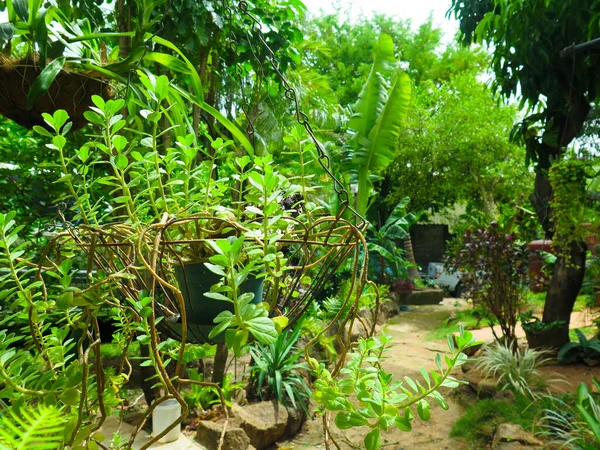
(540, 334)
(220, 236)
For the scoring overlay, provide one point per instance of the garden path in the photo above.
(412, 349)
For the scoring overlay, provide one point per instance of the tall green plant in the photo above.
(378, 117)
(383, 242)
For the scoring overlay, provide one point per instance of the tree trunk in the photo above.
(413, 272)
(220, 364)
(124, 23)
(568, 272)
(564, 286)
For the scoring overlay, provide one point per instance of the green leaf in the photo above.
(22, 9)
(70, 397)
(425, 375)
(215, 269)
(40, 428)
(64, 301)
(217, 296)
(121, 162)
(41, 37)
(402, 423)
(263, 329)
(170, 62)
(345, 420)
(7, 31)
(44, 80)
(373, 440)
(423, 410)
(220, 327)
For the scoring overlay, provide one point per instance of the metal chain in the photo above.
(233, 46)
(301, 117)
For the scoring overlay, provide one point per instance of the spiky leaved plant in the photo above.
(514, 368)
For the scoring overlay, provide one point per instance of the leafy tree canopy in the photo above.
(346, 48)
(456, 149)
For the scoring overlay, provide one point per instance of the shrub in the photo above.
(496, 268)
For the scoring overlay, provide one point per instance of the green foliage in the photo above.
(516, 27)
(514, 368)
(278, 370)
(37, 428)
(469, 319)
(204, 397)
(248, 318)
(589, 409)
(379, 114)
(456, 149)
(347, 43)
(496, 267)
(387, 262)
(585, 349)
(480, 420)
(567, 179)
(533, 324)
(575, 424)
(383, 402)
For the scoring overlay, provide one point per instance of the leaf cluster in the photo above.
(382, 401)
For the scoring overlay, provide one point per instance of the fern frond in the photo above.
(32, 429)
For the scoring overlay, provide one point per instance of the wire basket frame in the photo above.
(314, 253)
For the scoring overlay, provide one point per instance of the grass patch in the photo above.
(537, 300)
(588, 332)
(478, 423)
(470, 319)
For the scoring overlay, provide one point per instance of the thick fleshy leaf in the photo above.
(44, 80)
(373, 440)
(345, 420)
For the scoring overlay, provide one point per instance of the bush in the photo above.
(497, 270)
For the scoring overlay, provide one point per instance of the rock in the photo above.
(471, 351)
(469, 365)
(208, 435)
(296, 418)
(425, 297)
(387, 308)
(358, 331)
(505, 395)
(473, 377)
(515, 436)
(487, 388)
(263, 422)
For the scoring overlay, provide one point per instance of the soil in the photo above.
(410, 330)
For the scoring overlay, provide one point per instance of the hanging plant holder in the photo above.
(314, 253)
(71, 91)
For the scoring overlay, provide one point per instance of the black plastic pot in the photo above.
(552, 339)
(194, 281)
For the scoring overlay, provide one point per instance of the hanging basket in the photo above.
(314, 254)
(131, 261)
(71, 91)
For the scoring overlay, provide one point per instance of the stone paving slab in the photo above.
(111, 425)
